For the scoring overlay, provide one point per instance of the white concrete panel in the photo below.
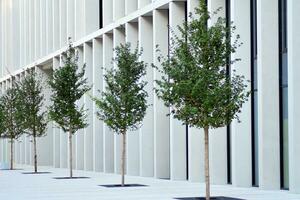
(97, 87)
(88, 105)
(79, 135)
(268, 94)
(91, 13)
(118, 9)
(43, 26)
(177, 130)
(241, 132)
(63, 22)
(118, 38)
(293, 93)
(133, 152)
(161, 120)
(79, 19)
(143, 3)
(56, 27)
(56, 131)
(63, 140)
(108, 139)
(71, 9)
(130, 6)
(147, 131)
(36, 27)
(107, 12)
(49, 26)
(218, 137)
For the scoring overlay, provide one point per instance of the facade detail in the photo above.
(261, 151)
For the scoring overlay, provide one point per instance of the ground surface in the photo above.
(17, 186)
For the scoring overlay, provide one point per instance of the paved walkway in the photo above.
(17, 186)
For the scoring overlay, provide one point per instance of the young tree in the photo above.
(196, 84)
(123, 104)
(12, 124)
(35, 121)
(68, 86)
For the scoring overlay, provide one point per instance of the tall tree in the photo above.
(12, 124)
(68, 85)
(196, 84)
(35, 119)
(123, 104)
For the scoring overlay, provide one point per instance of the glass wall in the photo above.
(229, 174)
(283, 91)
(255, 179)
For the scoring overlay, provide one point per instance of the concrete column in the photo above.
(45, 144)
(43, 8)
(218, 137)
(241, 132)
(195, 136)
(177, 130)
(97, 86)
(63, 22)
(107, 12)
(293, 93)
(108, 139)
(268, 94)
(133, 149)
(88, 105)
(143, 3)
(118, 38)
(91, 14)
(79, 135)
(71, 10)
(36, 27)
(49, 27)
(118, 9)
(64, 145)
(146, 133)
(56, 26)
(161, 120)
(79, 19)
(56, 131)
(130, 6)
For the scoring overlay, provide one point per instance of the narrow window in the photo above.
(254, 110)
(283, 95)
(100, 14)
(229, 178)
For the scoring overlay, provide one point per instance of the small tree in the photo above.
(196, 84)
(12, 121)
(68, 86)
(123, 103)
(35, 122)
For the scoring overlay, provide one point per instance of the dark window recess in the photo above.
(228, 69)
(283, 95)
(254, 121)
(186, 127)
(100, 14)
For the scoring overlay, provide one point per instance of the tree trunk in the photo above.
(70, 155)
(11, 153)
(206, 162)
(35, 154)
(123, 156)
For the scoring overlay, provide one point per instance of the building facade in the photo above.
(261, 151)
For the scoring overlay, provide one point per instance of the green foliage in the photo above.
(195, 83)
(68, 85)
(35, 120)
(12, 123)
(124, 102)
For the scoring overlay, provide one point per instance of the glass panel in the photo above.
(256, 174)
(285, 137)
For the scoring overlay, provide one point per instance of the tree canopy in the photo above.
(68, 85)
(196, 83)
(123, 103)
